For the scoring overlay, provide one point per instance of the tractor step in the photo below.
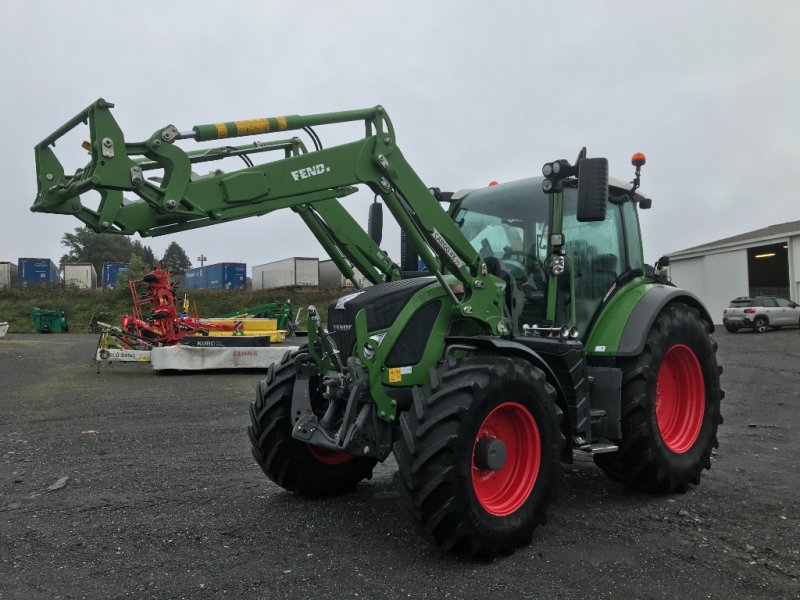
(599, 447)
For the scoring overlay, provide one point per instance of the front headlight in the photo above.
(376, 339)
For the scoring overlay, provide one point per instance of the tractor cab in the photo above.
(515, 227)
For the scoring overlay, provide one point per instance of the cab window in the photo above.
(597, 252)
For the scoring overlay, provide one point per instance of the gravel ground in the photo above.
(164, 500)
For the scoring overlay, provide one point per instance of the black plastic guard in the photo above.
(643, 315)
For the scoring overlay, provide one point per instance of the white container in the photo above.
(289, 272)
(3, 328)
(8, 274)
(331, 276)
(82, 275)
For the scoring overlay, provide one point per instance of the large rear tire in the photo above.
(670, 406)
(294, 465)
(478, 458)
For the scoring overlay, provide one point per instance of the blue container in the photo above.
(38, 271)
(111, 273)
(220, 276)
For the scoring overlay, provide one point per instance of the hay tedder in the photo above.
(534, 332)
(157, 323)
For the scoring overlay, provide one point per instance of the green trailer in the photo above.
(49, 321)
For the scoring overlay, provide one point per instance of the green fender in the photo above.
(626, 318)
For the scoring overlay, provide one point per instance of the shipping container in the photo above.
(8, 274)
(38, 271)
(331, 276)
(82, 275)
(111, 272)
(289, 272)
(220, 276)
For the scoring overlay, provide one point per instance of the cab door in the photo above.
(600, 252)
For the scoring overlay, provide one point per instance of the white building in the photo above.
(761, 262)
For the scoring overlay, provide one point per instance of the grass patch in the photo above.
(80, 305)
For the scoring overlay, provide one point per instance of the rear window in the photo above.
(740, 303)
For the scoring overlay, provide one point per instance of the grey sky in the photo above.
(477, 91)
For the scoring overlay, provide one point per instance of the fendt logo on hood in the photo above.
(310, 172)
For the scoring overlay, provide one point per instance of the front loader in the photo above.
(532, 330)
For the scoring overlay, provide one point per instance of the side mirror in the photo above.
(375, 222)
(592, 189)
(663, 262)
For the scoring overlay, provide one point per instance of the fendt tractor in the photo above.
(521, 325)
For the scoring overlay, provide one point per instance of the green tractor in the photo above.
(530, 328)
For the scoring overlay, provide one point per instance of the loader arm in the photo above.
(309, 182)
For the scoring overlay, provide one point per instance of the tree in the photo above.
(136, 270)
(175, 259)
(87, 246)
(145, 253)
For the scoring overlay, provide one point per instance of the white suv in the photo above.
(759, 313)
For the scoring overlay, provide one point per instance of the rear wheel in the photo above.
(670, 406)
(478, 458)
(760, 325)
(294, 465)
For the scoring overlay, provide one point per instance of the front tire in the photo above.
(478, 458)
(294, 465)
(670, 406)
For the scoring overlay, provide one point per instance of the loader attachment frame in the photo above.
(309, 182)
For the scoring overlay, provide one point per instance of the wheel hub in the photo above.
(505, 459)
(680, 398)
(490, 453)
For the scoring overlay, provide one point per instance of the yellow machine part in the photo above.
(250, 327)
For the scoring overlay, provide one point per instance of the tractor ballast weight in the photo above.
(533, 332)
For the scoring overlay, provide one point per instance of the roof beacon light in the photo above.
(637, 160)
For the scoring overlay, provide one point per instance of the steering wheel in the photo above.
(537, 271)
(514, 268)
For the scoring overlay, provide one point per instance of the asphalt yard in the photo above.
(129, 483)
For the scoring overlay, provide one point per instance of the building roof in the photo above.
(764, 234)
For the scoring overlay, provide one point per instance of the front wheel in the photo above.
(294, 465)
(670, 406)
(478, 458)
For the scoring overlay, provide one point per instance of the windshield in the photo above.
(510, 223)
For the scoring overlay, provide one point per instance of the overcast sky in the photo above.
(477, 91)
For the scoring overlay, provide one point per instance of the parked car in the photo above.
(759, 313)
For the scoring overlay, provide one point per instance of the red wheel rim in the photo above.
(680, 398)
(503, 491)
(329, 457)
